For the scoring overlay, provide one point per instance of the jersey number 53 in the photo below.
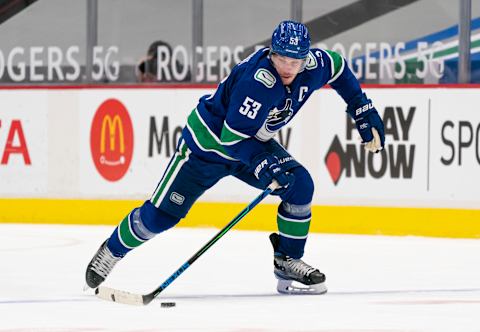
(250, 108)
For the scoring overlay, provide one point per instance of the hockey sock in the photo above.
(293, 224)
(129, 234)
(139, 226)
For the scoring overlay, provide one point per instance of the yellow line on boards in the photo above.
(455, 223)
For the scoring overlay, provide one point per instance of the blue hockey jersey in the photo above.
(252, 104)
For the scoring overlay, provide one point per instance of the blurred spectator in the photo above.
(147, 69)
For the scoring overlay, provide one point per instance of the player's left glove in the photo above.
(368, 123)
(266, 168)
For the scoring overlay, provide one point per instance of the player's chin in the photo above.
(287, 80)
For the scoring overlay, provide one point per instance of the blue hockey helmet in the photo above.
(291, 39)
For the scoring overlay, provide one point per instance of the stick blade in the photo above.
(115, 295)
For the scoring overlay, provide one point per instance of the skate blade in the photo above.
(296, 288)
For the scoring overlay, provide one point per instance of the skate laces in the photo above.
(300, 267)
(104, 262)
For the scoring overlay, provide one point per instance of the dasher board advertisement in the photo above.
(431, 156)
(116, 143)
(23, 143)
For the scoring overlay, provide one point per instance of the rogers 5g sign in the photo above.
(52, 63)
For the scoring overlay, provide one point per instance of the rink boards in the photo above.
(87, 156)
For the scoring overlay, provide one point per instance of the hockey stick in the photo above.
(115, 295)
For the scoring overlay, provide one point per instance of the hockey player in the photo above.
(231, 133)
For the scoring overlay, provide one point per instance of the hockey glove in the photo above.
(266, 169)
(368, 123)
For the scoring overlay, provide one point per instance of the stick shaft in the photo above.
(149, 297)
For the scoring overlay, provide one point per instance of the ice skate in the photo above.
(294, 275)
(100, 266)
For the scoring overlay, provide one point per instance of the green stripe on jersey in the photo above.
(230, 136)
(126, 235)
(295, 229)
(205, 139)
(179, 159)
(338, 64)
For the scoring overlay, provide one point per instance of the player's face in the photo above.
(287, 68)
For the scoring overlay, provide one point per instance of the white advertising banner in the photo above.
(431, 156)
(126, 139)
(348, 175)
(116, 143)
(454, 157)
(23, 143)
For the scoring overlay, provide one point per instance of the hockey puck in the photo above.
(167, 304)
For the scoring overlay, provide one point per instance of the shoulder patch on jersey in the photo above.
(311, 62)
(337, 64)
(265, 77)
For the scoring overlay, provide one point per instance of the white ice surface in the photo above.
(376, 283)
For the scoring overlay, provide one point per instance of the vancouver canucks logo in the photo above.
(278, 118)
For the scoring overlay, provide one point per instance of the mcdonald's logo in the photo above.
(113, 127)
(111, 140)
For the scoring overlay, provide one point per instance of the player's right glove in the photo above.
(368, 123)
(266, 168)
